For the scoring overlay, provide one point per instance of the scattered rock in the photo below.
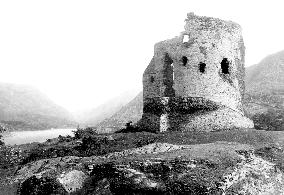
(72, 180)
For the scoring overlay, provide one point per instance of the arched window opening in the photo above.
(184, 60)
(225, 66)
(202, 67)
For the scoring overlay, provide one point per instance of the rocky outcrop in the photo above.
(162, 168)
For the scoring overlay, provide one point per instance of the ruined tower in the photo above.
(195, 81)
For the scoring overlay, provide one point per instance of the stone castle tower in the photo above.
(196, 81)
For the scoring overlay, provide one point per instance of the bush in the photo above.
(87, 132)
(96, 146)
(67, 138)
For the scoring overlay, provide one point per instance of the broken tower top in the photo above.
(194, 22)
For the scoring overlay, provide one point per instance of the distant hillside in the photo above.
(96, 115)
(130, 112)
(264, 99)
(267, 76)
(265, 92)
(24, 107)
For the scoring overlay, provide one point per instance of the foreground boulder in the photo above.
(160, 168)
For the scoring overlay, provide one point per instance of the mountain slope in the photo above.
(130, 112)
(267, 76)
(96, 115)
(24, 107)
(264, 99)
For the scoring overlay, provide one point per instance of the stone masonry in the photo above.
(195, 81)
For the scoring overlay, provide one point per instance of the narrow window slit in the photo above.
(184, 60)
(202, 67)
(225, 66)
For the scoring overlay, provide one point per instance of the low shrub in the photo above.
(87, 132)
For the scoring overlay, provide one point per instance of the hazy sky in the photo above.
(81, 53)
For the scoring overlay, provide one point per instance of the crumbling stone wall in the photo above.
(195, 81)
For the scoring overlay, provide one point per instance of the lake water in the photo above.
(23, 137)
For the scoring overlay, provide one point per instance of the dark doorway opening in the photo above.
(168, 76)
(225, 66)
